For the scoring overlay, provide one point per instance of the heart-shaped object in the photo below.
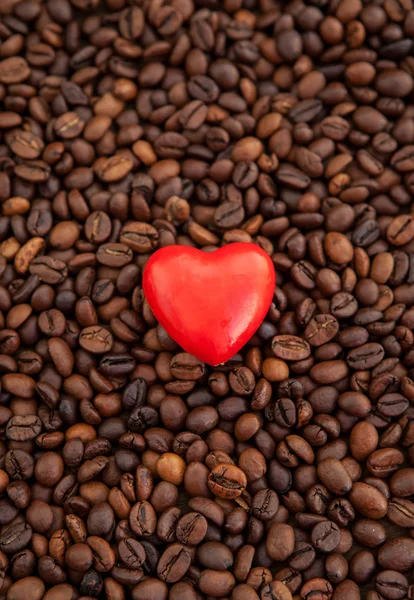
(210, 303)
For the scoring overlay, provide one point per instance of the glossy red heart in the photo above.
(210, 303)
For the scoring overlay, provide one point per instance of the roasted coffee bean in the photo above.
(15, 537)
(51, 271)
(187, 367)
(215, 555)
(142, 519)
(290, 347)
(392, 405)
(401, 512)
(368, 500)
(114, 255)
(265, 504)
(131, 23)
(341, 512)
(13, 70)
(369, 533)
(317, 587)
(334, 476)
(216, 583)
(173, 563)
(191, 528)
(397, 554)
(68, 125)
(19, 464)
(132, 553)
(32, 586)
(227, 481)
(96, 339)
(98, 227)
(284, 411)
(391, 584)
(140, 237)
(384, 462)
(325, 536)
(23, 428)
(24, 143)
(280, 541)
(401, 483)
(365, 357)
(134, 394)
(303, 556)
(321, 329)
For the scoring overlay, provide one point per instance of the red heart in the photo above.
(210, 303)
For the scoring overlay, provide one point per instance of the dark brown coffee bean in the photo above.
(397, 554)
(333, 474)
(227, 481)
(49, 270)
(191, 529)
(28, 585)
(98, 227)
(355, 403)
(96, 339)
(142, 519)
(25, 144)
(369, 501)
(114, 255)
(289, 347)
(401, 483)
(392, 405)
(393, 82)
(265, 504)
(192, 116)
(15, 537)
(303, 556)
(23, 428)
(384, 462)
(216, 582)
(174, 563)
(229, 215)
(113, 168)
(321, 329)
(391, 584)
(325, 536)
(317, 586)
(131, 23)
(280, 541)
(18, 384)
(140, 237)
(132, 553)
(369, 533)
(13, 70)
(69, 125)
(400, 512)
(365, 357)
(242, 381)
(187, 367)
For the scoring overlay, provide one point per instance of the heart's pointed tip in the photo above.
(216, 364)
(219, 361)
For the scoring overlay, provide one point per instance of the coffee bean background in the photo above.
(128, 468)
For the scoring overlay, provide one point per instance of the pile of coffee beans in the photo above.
(128, 468)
